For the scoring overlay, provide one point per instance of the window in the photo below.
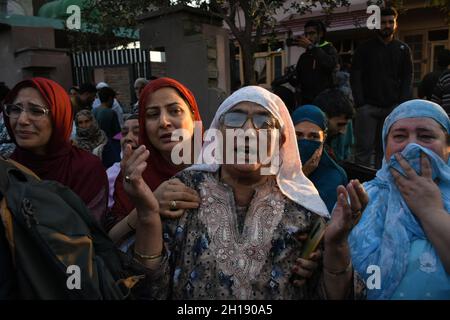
(260, 70)
(278, 65)
(436, 49)
(268, 64)
(438, 35)
(415, 43)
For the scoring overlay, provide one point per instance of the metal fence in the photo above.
(84, 63)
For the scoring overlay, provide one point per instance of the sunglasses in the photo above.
(259, 121)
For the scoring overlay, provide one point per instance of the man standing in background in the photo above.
(381, 78)
(316, 67)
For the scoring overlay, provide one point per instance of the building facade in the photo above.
(423, 28)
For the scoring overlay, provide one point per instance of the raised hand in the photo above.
(132, 166)
(346, 214)
(303, 41)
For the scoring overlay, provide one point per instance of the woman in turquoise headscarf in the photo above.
(402, 243)
(326, 175)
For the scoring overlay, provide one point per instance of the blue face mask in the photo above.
(307, 148)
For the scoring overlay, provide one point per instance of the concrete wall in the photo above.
(118, 78)
(28, 52)
(197, 55)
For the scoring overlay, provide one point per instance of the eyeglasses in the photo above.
(35, 112)
(238, 119)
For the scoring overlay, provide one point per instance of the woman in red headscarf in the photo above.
(165, 105)
(38, 117)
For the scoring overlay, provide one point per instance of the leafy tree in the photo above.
(443, 5)
(248, 20)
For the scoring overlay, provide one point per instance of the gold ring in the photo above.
(127, 179)
(173, 205)
(356, 216)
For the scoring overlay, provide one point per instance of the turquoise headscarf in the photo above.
(389, 235)
(328, 174)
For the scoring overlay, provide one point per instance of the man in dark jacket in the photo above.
(430, 80)
(441, 89)
(106, 117)
(317, 65)
(381, 78)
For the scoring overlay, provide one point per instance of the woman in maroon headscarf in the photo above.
(38, 117)
(164, 106)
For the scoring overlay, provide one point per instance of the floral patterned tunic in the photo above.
(210, 254)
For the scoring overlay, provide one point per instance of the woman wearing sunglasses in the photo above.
(38, 116)
(165, 105)
(241, 242)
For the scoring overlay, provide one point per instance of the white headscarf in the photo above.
(101, 85)
(290, 178)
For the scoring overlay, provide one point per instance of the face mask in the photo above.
(307, 148)
(411, 154)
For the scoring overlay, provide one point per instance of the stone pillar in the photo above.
(197, 53)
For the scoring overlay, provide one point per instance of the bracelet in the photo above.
(129, 225)
(146, 257)
(341, 272)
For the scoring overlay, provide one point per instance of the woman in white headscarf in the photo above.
(241, 243)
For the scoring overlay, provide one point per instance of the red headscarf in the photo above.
(158, 169)
(70, 166)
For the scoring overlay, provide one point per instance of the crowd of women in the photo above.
(227, 231)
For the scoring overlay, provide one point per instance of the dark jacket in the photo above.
(381, 73)
(107, 121)
(429, 82)
(315, 71)
(7, 279)
(441, 92)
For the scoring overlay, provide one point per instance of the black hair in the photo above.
(389, 11)
(132, 116)
(318, 24)
(87, 87)
(334, 103)
(287, 96)
(4, 90)
(106, 93)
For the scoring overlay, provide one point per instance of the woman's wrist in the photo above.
(430, 215)
(143, 256)
(338, 271)
(337, 245)
(336, 256)
(129, 224)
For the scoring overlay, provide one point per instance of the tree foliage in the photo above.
(248, 20)
(443, 5)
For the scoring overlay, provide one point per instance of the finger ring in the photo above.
(356, 214)
(127, 179)
(173, 205)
